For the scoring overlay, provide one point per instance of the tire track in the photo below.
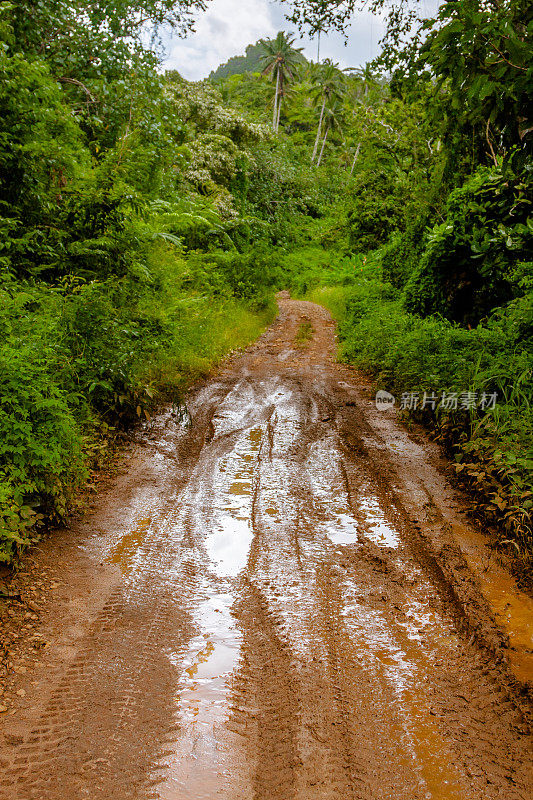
(280, 630)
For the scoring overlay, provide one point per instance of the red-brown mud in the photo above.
(278, 599)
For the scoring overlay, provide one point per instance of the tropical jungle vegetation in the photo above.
(147, 221)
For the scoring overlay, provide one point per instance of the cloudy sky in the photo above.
(228, 26)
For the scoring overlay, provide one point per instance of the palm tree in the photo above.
(329, 86)
(355, 157)
(280, 60)
(348, 155)
(319, 31)
(332, 117)
(365, 76)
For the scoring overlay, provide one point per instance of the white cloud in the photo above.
(223, 31)
(361, 45)
(228, 26)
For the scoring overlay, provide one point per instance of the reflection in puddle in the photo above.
(125, 551)
(377, 529)
(401, 657)
(342, 528)
(200, 760)
(202, 757)
(229, 541)
(329, 489)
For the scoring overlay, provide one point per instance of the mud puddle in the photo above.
(229, 539)
(402, 657)
(268, 633)
(203, 761)
(346, 520)
(512, 608)
(201, 764)
(124, 553)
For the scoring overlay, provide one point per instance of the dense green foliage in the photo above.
(471, 262)
(132, 256)
(428, 260)
(146, 222)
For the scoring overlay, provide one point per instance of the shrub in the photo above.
(375, 210)
(469, 262)
(249, 276)
(41, 460)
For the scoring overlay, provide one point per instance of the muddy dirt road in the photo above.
(269, 605)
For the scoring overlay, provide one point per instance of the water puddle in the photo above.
(201, 765)
(228, 542)
(204, 759)
(125, 550)
(377, 529)
(402, 658)
(512, 608)
(343, 529)
(218, 517)
(286, 355)
(341, 525)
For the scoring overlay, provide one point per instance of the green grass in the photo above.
(202, 340)
(492, 451)
(83, 360)
(304, 335)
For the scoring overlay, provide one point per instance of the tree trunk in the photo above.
(355, 158)
(275, 115)
(319, 129)
(280, 100)
(322, 149)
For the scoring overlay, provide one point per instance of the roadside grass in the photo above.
(304, 335)
(201, 339)
(82, 362)
(492, 448)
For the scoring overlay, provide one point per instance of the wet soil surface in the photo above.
(271, 603)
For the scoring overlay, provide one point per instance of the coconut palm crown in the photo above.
(280, 60)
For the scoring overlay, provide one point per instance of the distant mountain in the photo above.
(251, 62)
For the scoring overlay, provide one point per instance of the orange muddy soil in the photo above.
(279, 598)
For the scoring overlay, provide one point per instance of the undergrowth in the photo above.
(82, 361)
(491, 448)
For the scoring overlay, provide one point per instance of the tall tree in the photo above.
(365, 76)
(480, 52)
(328, 87)
(280, 60)
(332, 121)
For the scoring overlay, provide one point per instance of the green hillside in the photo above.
(238, 65)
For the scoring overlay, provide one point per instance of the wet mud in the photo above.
(279, 599)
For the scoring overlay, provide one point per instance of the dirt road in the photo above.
(269, 605)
